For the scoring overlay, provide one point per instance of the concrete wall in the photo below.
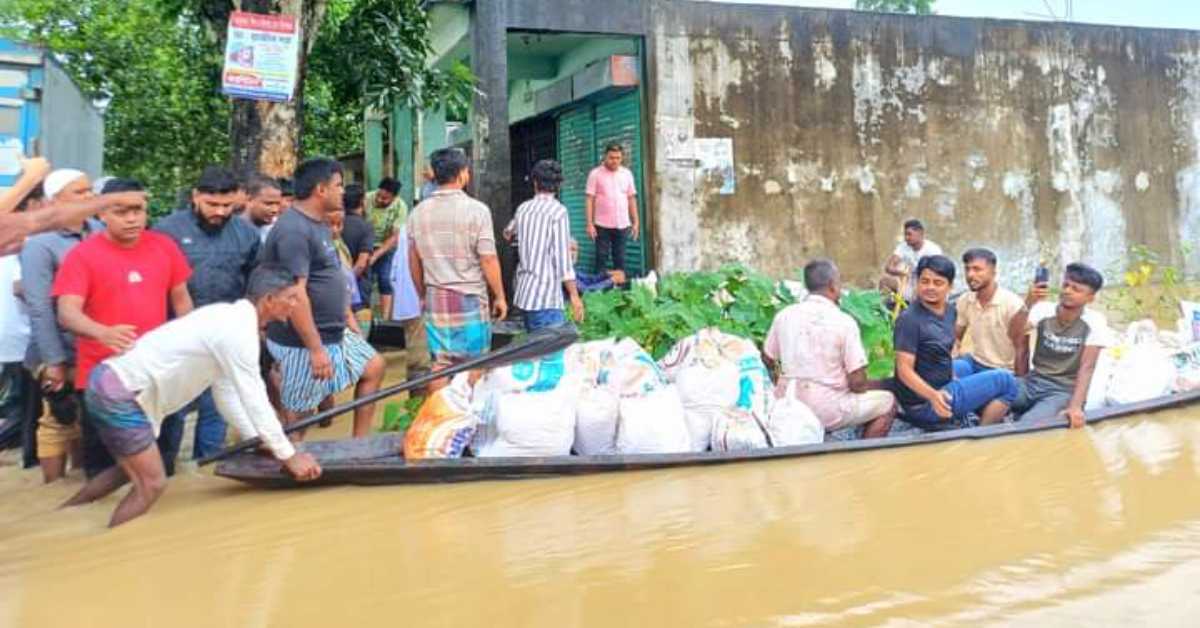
(1036, 139)
(521, 92)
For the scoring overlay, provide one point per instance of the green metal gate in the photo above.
(583, 132)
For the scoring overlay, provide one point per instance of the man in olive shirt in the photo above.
(385, 208)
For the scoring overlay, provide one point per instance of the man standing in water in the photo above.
(930, 397)
(215, 348)
(385, 209)
(902, 265)
(222, 251)
(611, 208)
(984, 315)
(116, 286)
(1070, 337)
(316, 357)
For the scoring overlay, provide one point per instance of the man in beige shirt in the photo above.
(984, 314)
(453, 262)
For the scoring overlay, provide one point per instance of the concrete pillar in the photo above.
(373, 152)
(490, 153)
(403, 144)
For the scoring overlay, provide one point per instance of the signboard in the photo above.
(261, 55)
(714, 160)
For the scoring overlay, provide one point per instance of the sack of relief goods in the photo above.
(633, 372)
(1187, 368)
(597, 407)
(1142, 372)
(445, 423)
(736, 429)
(706, 393)
(791, 422)
(526, 423)
(1097, 396)
(652, 423)
(537, 375)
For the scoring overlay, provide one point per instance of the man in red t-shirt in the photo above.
(116, 286)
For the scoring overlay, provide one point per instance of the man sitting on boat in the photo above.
(216, 346)
(930, 397)
(820, 355)
(984, 315)
(1069, 340)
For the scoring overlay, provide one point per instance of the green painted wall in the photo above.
(520, 92)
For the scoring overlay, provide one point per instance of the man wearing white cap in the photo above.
(51, 352)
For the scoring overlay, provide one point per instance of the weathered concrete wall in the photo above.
(1064, 141)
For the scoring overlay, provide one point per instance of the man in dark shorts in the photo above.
(930, 397)
(214, 348)
(315, 354)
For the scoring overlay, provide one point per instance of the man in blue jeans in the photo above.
(542, 229)
(930, 397)
(221, 251)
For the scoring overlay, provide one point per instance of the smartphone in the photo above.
(1042, 276)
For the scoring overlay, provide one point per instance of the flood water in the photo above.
(1095, 527)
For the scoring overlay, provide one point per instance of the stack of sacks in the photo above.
(526, 409)
(444, 425)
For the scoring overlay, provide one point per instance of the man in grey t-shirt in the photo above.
(316, 355)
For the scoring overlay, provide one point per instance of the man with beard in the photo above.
(930, 397)
(264, 201)
(221, 250)
(984, 315)
(115, 287)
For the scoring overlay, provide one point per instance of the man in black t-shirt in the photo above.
(359, 237)
(929, 395)
(317, 358)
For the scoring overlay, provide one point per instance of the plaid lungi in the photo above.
(301, 391)
(458, 326)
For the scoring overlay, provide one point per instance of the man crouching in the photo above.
(130, 394)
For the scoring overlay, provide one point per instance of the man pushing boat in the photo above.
(130, 394)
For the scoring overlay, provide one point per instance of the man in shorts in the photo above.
(316, 355)
(820, 355)
(216, 347)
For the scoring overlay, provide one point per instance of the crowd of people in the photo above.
(247, 304)
(958, 362)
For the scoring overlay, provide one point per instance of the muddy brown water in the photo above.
(1095, 527)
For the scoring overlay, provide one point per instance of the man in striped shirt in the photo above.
(543, 232)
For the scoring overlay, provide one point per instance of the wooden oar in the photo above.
(536, 344)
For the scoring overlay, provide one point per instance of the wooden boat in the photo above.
(374, 460)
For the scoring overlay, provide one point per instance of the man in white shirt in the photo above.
(129, 395)
(903, 263)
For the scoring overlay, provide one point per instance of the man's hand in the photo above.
(591, 230)
(1037, 292)
(1076, 417)
(499, 309)
(322, 367)
(577, 308)
(54, 377)
(119, 338)
(35, 167)
(361, 267)
(303, 467)
(634, 231)
(941, 405)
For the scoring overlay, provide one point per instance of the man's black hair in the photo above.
(980, 253)
(267, 279)
(447, 164)
(913, 223)
(115, 185)
(547, 175)
(287, 187)
(390, 186)
(36, 194)
(314, 172)
(217, 180)
(256, 183)
(352, 198)
(937, 264)
(614, 148)
(819, 274)
(1084, 274)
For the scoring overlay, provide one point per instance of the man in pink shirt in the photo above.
(611, 208)
(819, 353)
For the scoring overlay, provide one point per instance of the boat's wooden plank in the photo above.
(375, 460)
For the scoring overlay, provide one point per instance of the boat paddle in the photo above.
(534, 345)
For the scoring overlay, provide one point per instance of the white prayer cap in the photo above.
(98, 184)
(58, 180)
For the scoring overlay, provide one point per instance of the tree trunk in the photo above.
(266, 136)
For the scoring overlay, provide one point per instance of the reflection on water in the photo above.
(1097, 527)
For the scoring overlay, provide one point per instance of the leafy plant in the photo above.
(398, 415)
(875, 324)
(1151, 287)
(919, 7)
